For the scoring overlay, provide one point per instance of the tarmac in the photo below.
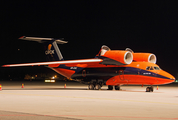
(44, 101)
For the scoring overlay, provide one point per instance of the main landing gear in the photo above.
(110, 87)
(117, 87)
(149, 89)
(98, 87)
(94, 86)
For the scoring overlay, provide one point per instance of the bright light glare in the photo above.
(52, 80)
(49, 80)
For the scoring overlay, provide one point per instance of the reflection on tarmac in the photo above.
(52, 101)
(7, 115)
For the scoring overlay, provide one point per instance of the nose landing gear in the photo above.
(149, 89)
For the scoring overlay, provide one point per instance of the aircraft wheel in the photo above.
(91, 87)
(149, 89)
(97, 86)
(117, 87)
(110, 87)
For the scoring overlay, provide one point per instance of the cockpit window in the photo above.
(156, 68)
(148, 68)
(153, 68)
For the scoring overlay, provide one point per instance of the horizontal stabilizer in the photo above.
(41, 40)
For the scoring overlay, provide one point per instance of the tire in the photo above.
(148, 89)
(97, 87)
(151, 89)
(91, 87)
(117, 87)
(110, 87)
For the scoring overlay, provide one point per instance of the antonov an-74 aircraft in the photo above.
(110, 67)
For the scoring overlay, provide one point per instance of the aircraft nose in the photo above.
(167, 75)
(171, 77)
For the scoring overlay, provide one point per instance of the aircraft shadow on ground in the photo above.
(47, 89)
(123, 90)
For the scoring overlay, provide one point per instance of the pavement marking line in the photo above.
(94, 116)
(116, 116)
(90, 98)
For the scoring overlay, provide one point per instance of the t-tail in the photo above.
(52, 51)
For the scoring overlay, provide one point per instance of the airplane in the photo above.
(109, 67)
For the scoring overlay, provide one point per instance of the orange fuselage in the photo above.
(136, 73)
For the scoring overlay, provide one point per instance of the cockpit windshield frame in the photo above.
(153, 68)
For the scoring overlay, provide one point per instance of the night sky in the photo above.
(143, 26)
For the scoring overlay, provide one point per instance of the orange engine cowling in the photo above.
(124, 57)
(144, 57)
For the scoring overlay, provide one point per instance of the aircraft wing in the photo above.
(82, 61)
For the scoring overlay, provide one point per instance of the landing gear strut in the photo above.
(149, 89)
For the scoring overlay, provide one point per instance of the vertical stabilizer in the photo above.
(52, 51)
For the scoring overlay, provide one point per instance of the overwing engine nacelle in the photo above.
(115, 57)
(143, 57)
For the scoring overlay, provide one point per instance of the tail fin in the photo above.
(52, 51)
